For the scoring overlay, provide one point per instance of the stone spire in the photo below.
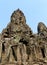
(18, 17)
(17, 25)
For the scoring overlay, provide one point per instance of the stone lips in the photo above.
(18, 44)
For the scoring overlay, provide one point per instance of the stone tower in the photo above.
(19, 45)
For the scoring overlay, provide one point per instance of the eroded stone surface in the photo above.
(18, 44)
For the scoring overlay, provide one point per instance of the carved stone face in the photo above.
(18, 17)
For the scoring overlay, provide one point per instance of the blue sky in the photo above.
(34, 10)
